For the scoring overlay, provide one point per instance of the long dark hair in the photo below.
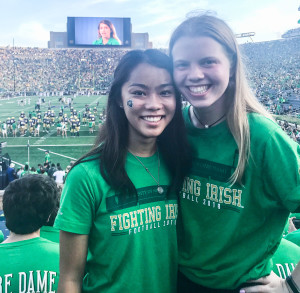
(112, 141)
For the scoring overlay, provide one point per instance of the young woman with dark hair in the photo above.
(119, 204)
(107, 34)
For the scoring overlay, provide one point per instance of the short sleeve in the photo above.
(281, 169)
(77, 205)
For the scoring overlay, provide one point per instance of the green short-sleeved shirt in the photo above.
(50, 233)
(111, 41)
(285, 258)
(294, 237)
(132, 242)
(47, 158)
(227, 234)
(29, 266)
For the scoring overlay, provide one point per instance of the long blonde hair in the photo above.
(243, 100)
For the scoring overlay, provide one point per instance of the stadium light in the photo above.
(245, 35)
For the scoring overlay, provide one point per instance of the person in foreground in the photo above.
(119, 204)
(107, 34)
(29, 263)
(245, 175)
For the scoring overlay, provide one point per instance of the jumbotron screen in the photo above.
(99, 31)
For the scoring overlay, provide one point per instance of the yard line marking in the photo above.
(48, 134)
(49, 145)
(18, 163)
(58, 154)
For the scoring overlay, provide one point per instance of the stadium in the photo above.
(53, 100)
(51, 77)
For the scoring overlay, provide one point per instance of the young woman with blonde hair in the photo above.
(244, 181)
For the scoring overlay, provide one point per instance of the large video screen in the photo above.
(99, 31)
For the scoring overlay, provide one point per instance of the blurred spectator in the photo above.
(51, 170)
(59, 177)
(25, 171)
(11, 173)
(47, 157)
(26, 258)
(20, 171)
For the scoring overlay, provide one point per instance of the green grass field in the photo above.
(62, 150)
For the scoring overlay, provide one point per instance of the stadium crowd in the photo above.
(37, 70)
(273, 71)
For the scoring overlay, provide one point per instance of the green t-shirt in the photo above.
(50, 233)
(132, 243)
(227, 234)
(29, 266)
(47, 158)
(285, 258)
(294, 237)
(111, 41)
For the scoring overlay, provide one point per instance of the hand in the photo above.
(271, 283)
(291, 225)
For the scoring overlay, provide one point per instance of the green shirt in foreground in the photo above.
(285, 258)
(228, 234)
(132, 242)
(29, 266)
(294, 237)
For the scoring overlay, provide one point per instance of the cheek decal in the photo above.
(130, 103)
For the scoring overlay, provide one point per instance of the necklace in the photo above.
(208, 125)
(160, 190)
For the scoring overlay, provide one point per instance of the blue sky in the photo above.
(29, 22)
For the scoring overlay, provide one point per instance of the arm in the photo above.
(73, 253)
(292, 227)
(274, 284)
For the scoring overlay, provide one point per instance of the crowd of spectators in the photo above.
(52, 170)
(274, 73)
(38, 70)
(274, 70)
(292, 129)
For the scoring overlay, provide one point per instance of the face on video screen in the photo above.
(99, 31)
(104, 31)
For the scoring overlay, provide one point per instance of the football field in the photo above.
(22, 149)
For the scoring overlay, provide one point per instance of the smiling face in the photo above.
(201, 71)
(153, 102)
(104, 31)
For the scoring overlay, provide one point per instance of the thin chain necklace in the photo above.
(208, 125)
(160, 190)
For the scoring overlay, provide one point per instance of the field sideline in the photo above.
(62, 150)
